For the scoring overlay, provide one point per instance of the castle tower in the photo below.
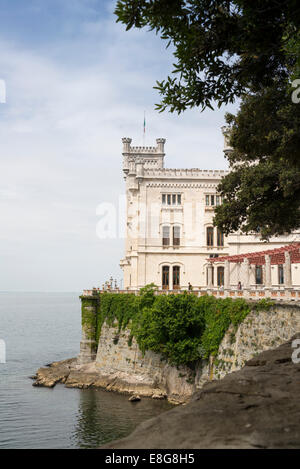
(135, 159)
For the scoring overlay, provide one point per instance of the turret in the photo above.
(161, 145)
(126, 144)
(226, 130)
(126, 153)
(136, 159)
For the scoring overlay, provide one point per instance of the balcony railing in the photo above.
(277, 294)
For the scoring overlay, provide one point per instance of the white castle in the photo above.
(171, 240)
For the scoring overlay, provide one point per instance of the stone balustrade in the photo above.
(278, 294)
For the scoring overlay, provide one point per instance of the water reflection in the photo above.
(106, 416)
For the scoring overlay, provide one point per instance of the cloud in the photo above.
(70, 100)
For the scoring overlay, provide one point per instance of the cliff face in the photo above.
(148, 374)
(122, 368)
(117, 364)
(256, 407)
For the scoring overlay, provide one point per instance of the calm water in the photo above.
(39, 328)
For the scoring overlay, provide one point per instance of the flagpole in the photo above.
(144, 132)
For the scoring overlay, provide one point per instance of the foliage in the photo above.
(222, 47)
(88, 318)
(173, 326)
(183, 328)
(262, 192)
(147, 295)
(263, 305)
(226, 49)
(119, 308)
(219, 316)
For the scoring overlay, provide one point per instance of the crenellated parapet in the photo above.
(138, 158)
(193, 173)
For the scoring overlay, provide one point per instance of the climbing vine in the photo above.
(88, 317)
(183, 328)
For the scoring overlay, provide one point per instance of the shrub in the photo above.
(183, 328)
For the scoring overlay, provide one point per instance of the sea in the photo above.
(37, 329)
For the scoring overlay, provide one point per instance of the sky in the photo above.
(76, 83)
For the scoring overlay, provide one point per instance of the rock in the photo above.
(81, 380)
(134, 399)
(255, 407)
(57, 372)
(159, 396)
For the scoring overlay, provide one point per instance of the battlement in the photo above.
(148, 163)
(141, 150)
(147, 157)
(188, 173)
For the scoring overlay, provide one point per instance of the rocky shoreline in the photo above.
(255, 407)
(75, 375)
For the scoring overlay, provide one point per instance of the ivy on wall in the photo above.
(183, 328)
(88, 317)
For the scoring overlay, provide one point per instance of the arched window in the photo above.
(165, 277)
(210, 236)
(176, 277)
(220, 238)
(176, 235)
(220, 275)
(166, 236)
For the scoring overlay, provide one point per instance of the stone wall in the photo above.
(88, 344)
(120, 366)
(260, 331)
(148, 374)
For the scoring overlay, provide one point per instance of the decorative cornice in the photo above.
(182, 185)
(188, 173)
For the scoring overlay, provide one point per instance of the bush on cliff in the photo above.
(183, 327)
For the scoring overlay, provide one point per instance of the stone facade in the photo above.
(169, 230)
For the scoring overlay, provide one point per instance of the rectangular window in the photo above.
(210, 236)
(176, 235)
(220, 274)
(280, 274)
(171, 199)
(166, 236)
(217, 200)
(176, 277)
(212, 199)
(207, 200)
(258, 275)
(165, 277)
